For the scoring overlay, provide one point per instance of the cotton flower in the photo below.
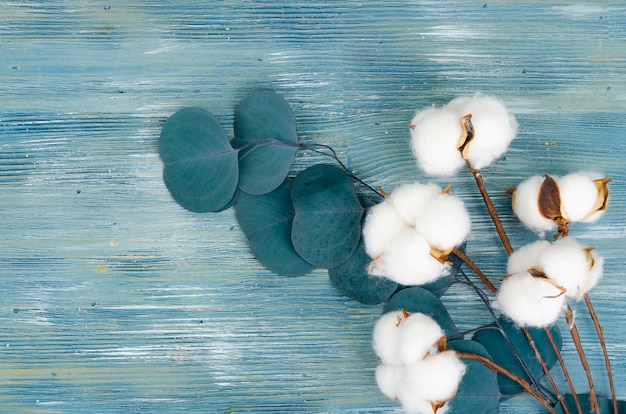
(525, 257)
(420, 373)
(475, 128)
(583, 196)
(530, 300)
(410, 233)
(570, 265)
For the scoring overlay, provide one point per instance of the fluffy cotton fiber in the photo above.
(443, 221)
(526, 205)
(408, 199)
(418, 334)
(525, 257)
(579, 194)
(530, 301)
(382, 224)
(385, 337)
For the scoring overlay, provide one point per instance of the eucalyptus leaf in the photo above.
(352, 279)
(327, 224)
(417, 299)
(200, 166)
(265, 134)
(502, 353)
(266, 221)
(478, 392)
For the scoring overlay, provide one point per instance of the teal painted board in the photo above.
(115, 299)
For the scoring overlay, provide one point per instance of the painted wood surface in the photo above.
(115, 299)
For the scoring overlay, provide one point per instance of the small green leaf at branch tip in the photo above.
(200, 166)
(327, 224)
(266, 221)
(352, 279)
(478, 392)
(502, 354)
(417, 299)
(265, 133)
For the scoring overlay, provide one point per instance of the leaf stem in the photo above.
(501, 370)
(596, 322)
(569, 318)
(504, 238)
(333, 155)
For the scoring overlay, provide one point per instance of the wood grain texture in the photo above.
(115, 299)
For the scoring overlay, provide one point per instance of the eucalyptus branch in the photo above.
(333, 155)
(593, 400)
(596, 323)
(501, 370)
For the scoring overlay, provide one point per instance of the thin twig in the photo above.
(593, 400)
(596, 322)
(491, 209)
(545, 368)
(465, 258)
(499, 369)
(568, 379)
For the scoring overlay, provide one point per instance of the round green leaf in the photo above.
(417, 299)
(265, 134)
(327, 225)
(352, 279)
(502, 353)
(266, 221)
(200, 166)
(478, 392)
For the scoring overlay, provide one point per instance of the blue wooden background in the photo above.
(115, 299)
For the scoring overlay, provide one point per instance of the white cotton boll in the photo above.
(385, 337)
(417, 335)
(382, 224)
(435, 378)
(407, 260)
(435, 135)
(416, 405)
(389, 378)
(526, 205)
(494, 127)
(443, 221)
(530, 301)
(566, 263)
(579, 194)
(408, 199)
(525, 257)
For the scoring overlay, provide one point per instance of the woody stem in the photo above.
(568, 379)
(596, 323)
(491, 209)
(501, 370)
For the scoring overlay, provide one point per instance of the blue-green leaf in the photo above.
(265, 133)
(478, 392)
(266, 221)
(502, 353)
(200, 166)
(327, 225)
(417, 299)
(352, 279)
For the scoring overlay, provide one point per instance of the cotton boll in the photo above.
(417, 335)
(435, 378)
(408, 199)
(389, 378)
(566, 263)
(494, 127)
(578, 195)
(530, 301)
(443, 221)
(416, 405)
(381, 225)
(526, 205)
(385, 337)
(407, 260)
(525, 257)
(595, 273)
(435, 134)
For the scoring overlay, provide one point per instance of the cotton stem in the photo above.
(461, 255)
(504, 238)
(501, 370)
(593, 400)
(568, 378)
(596, 322)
